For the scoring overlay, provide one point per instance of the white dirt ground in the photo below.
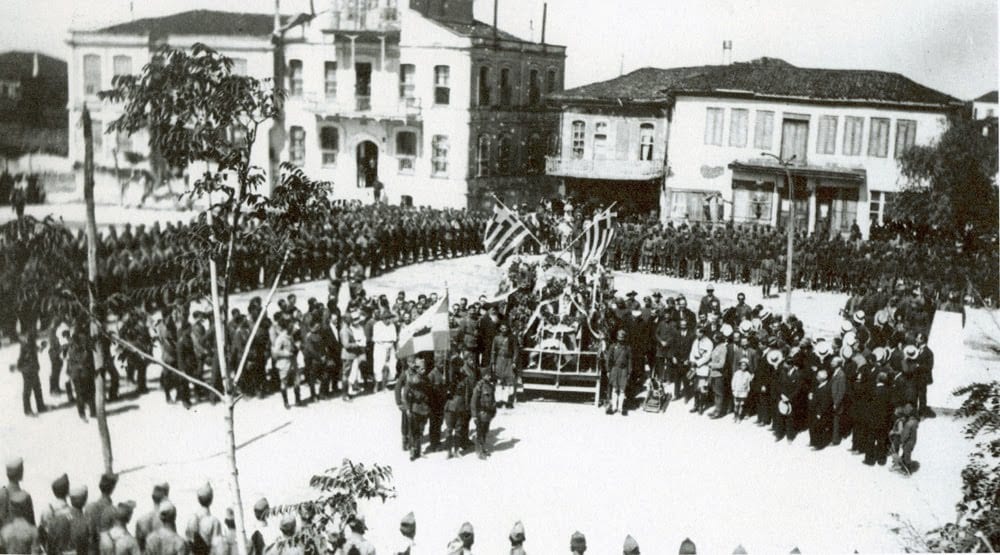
(558, 467)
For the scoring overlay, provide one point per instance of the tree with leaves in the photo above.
(203, 118)
(952, 182)
(325, 517)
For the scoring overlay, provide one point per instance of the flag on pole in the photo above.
(597, 238)
(429, 332)
(504, 234)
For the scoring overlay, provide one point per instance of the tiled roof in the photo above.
(199, 22)
(988, 97)
(767, 77)
(477, 30)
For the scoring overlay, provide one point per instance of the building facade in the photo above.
(727, 129)
(385, 101)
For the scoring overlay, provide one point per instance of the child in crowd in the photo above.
(741, 388)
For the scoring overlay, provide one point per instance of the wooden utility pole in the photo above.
(790, 228)
(91, 231)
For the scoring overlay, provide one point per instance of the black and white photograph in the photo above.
(455, 277)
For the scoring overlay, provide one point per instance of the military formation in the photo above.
(944, 266)
(73, 522)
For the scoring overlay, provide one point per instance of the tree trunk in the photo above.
(91, 230)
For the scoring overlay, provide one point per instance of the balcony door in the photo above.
(367, 160)
(363, 86)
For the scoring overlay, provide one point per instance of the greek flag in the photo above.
(597, 237)
(504, 234)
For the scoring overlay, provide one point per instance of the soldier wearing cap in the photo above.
(483, 409)
(79, 531)
(468, 537)
(408, 528)
(264, 535)
(225, 543)
(150, 521)
(516, 538)
(100, 514)
(687, 548)
(456, 411)
(165, 540)
(18, 535)
(356, 538)
(417, 405)
(54, 523)
(202, 527)
(578, 543)
(116, 540)
(619, 363)
(15, 472)
(631, 546)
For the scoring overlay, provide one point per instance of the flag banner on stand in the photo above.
(429, 332)
(597, 238)
(504, 234)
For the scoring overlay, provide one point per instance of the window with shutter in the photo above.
(601, 140)
(297, 146)
(329, 145)
(646, 134)
(878, 138)
(442, 88)
(906, 135)
(713, 126)
(330, 80)
(483, 156)
(406, 151)
(295, 78)
(579, 134)
(853, 130)
(738, 127)
(91, 74)
(763, 134)
(826, 141)
(439, 156)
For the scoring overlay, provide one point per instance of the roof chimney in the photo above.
(727, 52)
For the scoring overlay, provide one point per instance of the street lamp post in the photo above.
(790, 228)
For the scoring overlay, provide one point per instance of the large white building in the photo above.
(420, 102)
(695, 142)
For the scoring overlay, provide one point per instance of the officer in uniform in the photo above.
(456, 413)
(100, 514)
(203, 527)
(483, 409)
(438, 383)
(149, 522)
(54, 524)
(619, 364)
(165, 540)
(400, 395)
(417, 405)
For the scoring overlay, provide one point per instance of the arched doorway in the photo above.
(367, 159)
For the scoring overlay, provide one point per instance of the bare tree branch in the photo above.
(162, 364)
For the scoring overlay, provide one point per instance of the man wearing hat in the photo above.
(384, 349)
(516, 538)
(456, 411)
(838, 396)
(705, 306)
(790, 385)
(923, 362)
(100, 514)
(203, 526)
(284, 544)
(116, 540)
(18, 535)
(417, 404)
(150, 521)
(631, 546)
(577, 543)
(483, 409)
(408, 528)
(54, 523)
(820, 411)
(352, 341)
(15, 472)
(356, 538)
(619, 363)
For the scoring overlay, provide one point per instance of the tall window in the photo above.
(738, 119)
(579, 132)
(550, 81)
(794, 139)
(853, 130)
(330, 80)
(442, 90)
(91, 74)
(601, 140)
(406, 150)
(535, 159)
(122, 65)
(439, 156)
(763, 133)
(826, 141)
(646, 141)
(906, 135)
(713, 126)
(534, 89)
(297, 146)
(295, 78)
(878, 138)
(505, 154)
(406, 83)
(484, 86)
(483, 156)
(329, 145)
(363, 86)
(505, 89)
(239, 66)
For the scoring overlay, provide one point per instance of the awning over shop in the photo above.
(849, 177)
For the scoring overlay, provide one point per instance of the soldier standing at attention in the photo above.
(18, 535)
(149, 522)
(400, 394)
(166, 540)
(417, 399)
(53, 527)
(456, 415)
(100, 514)
(619, 364)
(517, 539)
(117, 540)
(15, 472)
(439, 396)
(79, 538)
(483, 409)
(203, 527)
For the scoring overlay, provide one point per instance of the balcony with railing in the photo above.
(628, 170)
(382, 19)
(398, 109)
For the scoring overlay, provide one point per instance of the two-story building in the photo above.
(382, 99)
(840, 131)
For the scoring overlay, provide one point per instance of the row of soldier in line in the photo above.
(70, 524)
(870, 379)
(756, 254)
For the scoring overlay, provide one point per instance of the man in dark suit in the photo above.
(790, 386)
(838, 396)
(924, 362)
(820, 412)
(679, 352)
(879, 422)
